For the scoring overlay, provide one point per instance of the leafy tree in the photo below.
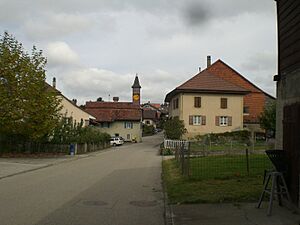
(268, 118)
(27, 108)
(174, 128)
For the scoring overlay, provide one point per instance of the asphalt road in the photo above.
(117, 187)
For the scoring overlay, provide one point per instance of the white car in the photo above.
(114, 141)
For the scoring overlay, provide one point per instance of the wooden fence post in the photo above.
(247, 161)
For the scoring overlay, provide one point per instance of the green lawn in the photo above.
(224, 167)
(216, 179)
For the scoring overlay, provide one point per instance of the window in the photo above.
(175, 103)
(197, 120)
(223, 103)
(128, 125)
(105, 125)
(246, 110)
(223, 121)
(197, 102)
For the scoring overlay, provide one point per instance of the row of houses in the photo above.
(124, 119)
(216, 100)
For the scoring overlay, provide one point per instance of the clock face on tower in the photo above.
(136, 97)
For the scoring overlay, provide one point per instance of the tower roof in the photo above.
(136, 83)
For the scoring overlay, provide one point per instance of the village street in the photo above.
(119, 186)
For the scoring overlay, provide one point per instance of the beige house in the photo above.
(70, 109)
(207, 104)
(116, 118)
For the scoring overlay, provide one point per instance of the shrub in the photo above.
(166, 151)
(174, 128)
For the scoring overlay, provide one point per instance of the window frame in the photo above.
(246, 110)
(128, 125)
(197, 120)
(223, 121)
(200, 121)
(175, 103)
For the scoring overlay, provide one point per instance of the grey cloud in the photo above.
(197, 13)
(52, 25)
(87, 84)
(121, 37)
(261, 61)
(200, 12)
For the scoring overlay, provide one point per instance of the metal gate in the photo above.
(291, 144)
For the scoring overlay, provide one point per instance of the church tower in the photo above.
(136, 91)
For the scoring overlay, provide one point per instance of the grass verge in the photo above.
(226, 189)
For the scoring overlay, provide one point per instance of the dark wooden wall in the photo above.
(288, 16)
(288, 35)
(291, 143)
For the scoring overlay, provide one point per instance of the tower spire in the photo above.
(136, 83)
(136, 90)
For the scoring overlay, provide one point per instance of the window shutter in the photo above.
(124, 124)
(217, 120)
(229, 120)
(197, 102)
(190, 120)
(203, 120)
(223, 103)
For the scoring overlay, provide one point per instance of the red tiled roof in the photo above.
(149, 114)
(114, 111)
(221, 69)
(112, 105)
(206, 82)
(155, 105)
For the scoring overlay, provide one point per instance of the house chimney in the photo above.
(208, 61)
(115, 99)
(74, 100)
(54, 83)
(199, 69)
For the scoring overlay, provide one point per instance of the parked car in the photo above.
(114, 141)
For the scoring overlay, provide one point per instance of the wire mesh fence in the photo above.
(19, 145)
(222, 160)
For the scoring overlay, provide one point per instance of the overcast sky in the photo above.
(95, 47)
